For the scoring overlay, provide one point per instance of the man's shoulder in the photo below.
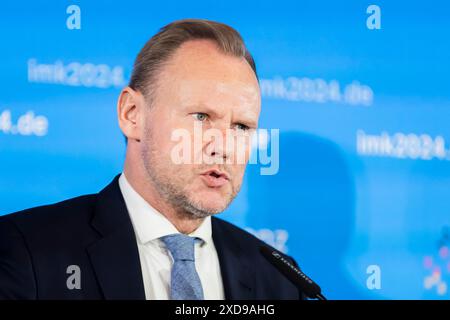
(247, 248)
(246, 240)
(234, 231)
(52, 216)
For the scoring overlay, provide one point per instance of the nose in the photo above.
(217, 149)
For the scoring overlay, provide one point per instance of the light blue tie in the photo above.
(185, 283)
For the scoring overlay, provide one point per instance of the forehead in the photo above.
(202, 91)
(198, 72)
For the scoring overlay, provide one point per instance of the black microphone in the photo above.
(296, 276)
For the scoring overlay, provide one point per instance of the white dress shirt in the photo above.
(156, 261)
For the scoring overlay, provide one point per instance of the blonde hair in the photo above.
(162, 45)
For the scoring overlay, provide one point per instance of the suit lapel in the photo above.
(237, 276)
(115, 257)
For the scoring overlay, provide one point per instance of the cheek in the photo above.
(162, 126)
(162, 141)
(242, 151)
(238, 174)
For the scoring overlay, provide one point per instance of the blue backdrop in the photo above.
(360, 93)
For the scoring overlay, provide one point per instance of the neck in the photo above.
(182, 221)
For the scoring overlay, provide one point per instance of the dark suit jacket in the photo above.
(95, 233)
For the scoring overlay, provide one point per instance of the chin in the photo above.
(212, 203)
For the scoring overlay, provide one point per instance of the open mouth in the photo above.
(214, 174)
(215, 178)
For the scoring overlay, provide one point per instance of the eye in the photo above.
(242, 127)
(200, 116)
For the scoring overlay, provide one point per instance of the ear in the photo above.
(129, 112)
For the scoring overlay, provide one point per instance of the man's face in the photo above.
(200, 87)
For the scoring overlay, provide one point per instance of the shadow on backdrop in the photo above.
(312, 197)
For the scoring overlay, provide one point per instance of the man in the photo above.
(150, 233)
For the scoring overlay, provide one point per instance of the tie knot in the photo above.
(180, 246)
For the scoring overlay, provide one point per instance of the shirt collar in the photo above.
(148, 223)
